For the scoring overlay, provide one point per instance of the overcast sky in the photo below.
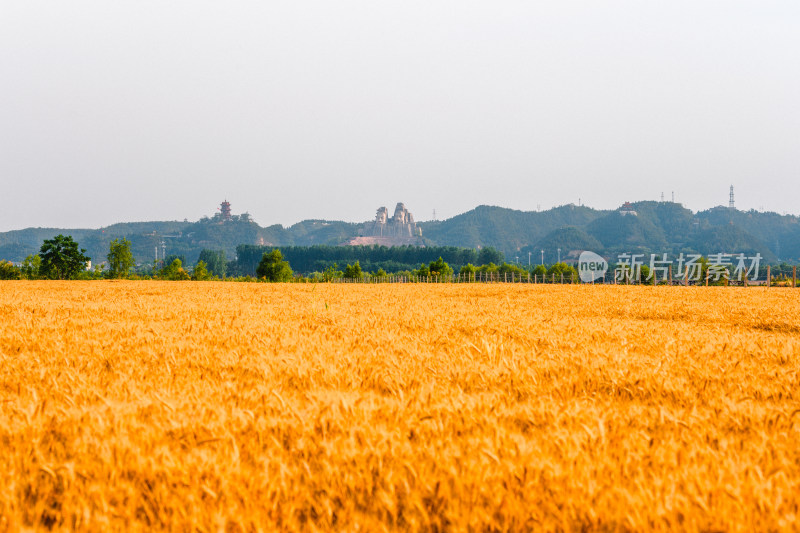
(114, 111)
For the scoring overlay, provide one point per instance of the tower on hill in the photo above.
(627, 210)
(225, 210)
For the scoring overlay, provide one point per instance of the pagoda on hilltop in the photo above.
(225, 210)
(627, 210)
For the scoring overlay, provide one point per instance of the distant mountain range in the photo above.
(641, 227)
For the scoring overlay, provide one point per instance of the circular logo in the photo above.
(591, 267)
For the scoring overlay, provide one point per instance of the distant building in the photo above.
(225, 210)
(400, 225)
(627, 210)
(398, 230)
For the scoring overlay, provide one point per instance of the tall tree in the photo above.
(440, 268)
(273, 268)
(353, 271)
(120, 258)
(61, 258)
(31, 267)
(200, 272)
(174, 271)
(215, 261)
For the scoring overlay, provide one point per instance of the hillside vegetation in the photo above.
(659, 227)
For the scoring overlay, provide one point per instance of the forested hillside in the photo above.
(657, 227)
(505, 229)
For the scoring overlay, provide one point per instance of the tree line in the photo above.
(273, 268)
(318, 258)
(62, 258)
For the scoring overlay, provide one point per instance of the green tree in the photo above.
(489, 268)
(120, 258)
(381, 273)
(570, 274)
(644, 271)
(200, 272)
(353, 271)
(331, 273)
(423, 270)
(273, 268)
(468, 270)
(489, 255)
(172, 257)
(9, 271)
(540, 271)
(30, 267)
(215, 262)
(174, 271)
(440, 268)
(509, 268)
(61, 258)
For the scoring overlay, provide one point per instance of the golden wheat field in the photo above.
(259, 407)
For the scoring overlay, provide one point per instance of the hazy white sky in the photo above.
(137, 110)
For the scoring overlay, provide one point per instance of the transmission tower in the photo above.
(730, 202)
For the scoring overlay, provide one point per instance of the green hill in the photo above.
(730, 239)
(620, 232)
(144, 236)
(508, 230)
(781, 233)
(569, 239)
(657, 227)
